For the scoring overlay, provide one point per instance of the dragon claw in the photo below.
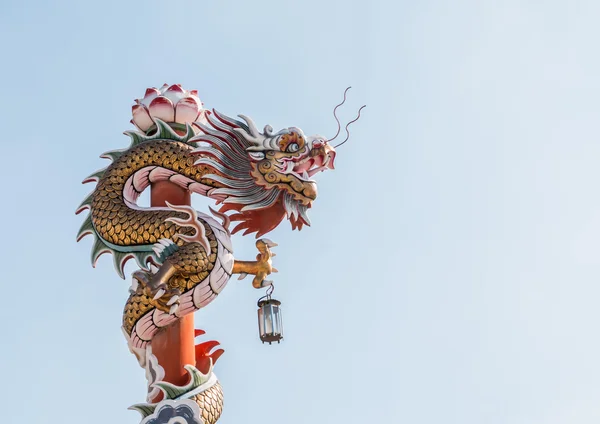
(168, 301)
(267, 242)
(141, 277)
(159, 294)
(134, 286)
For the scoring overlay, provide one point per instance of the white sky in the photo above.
(452, 271)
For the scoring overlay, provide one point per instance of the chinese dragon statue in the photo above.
(185, 256)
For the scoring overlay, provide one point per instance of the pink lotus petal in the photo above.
(186, 110)
(162, 108)
(141, 117)
(194, 93)
(174, 96)
(176, 88)
(151, 94)
(195, 97)
(174, 93)
(163, 88)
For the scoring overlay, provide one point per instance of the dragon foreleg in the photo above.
(259, 268)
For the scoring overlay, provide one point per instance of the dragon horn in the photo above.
(251, 125)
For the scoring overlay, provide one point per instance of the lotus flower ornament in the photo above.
(171, 104)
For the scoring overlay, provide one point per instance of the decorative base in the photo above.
(199, 402)
(204, 408)
(170, 411)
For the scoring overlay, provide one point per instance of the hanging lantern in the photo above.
(270, 324)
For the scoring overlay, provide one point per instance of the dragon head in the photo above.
(287, 160)
(267, 175)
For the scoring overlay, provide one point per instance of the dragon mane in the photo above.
(224, 147)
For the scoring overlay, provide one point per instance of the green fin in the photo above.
(95, 177)
(162, 252)
(141, 258)
(143, 408)
(98, 249)
(136, 138)
(87, 202)
(172, 391)
(119, 259)
(189, 133)
(113, 154)
(86, 229)
(163, 130)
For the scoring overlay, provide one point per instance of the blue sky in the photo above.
(452, 271)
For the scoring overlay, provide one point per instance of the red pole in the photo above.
(173, 346)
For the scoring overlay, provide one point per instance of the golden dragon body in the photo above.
(185, 256)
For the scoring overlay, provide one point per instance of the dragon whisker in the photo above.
(335, 116)
(347, 125)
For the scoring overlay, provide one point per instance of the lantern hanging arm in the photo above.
(268, 294)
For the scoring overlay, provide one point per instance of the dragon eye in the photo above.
(292, 148)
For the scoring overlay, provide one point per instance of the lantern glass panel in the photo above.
(261, 321)
(279, 321)
(269, 320)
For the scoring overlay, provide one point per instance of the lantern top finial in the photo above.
(268, 301)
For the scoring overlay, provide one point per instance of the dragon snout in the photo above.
(329, 156)
(324, 156)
